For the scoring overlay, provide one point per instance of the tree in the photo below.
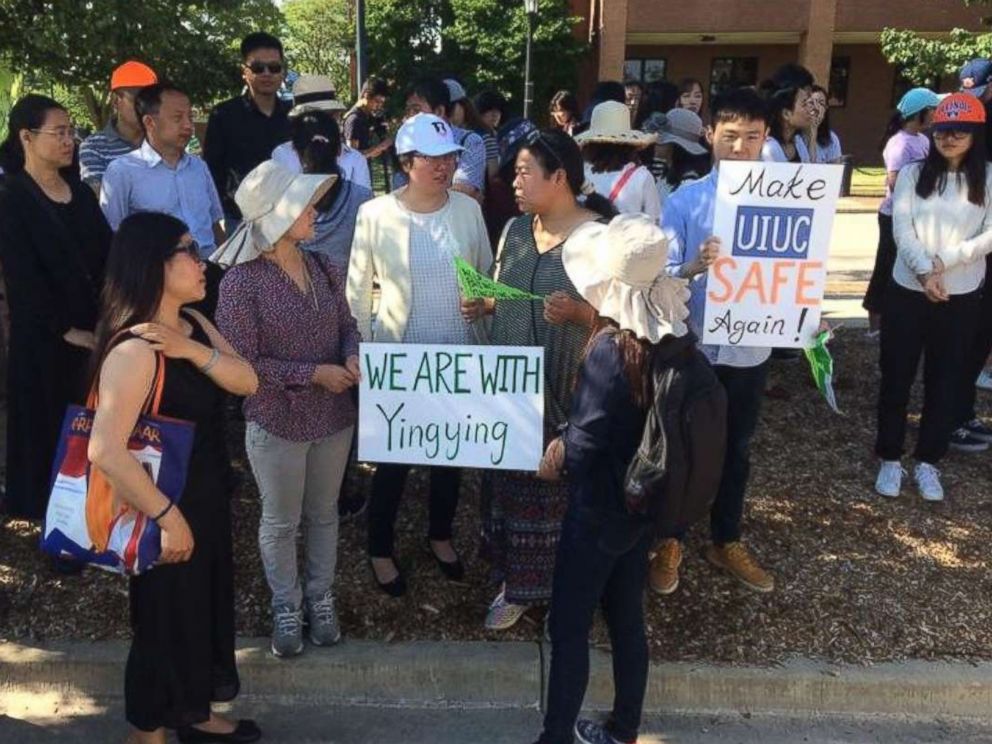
(923, 59)
(481, 42)
(76, 45)
(319, 38)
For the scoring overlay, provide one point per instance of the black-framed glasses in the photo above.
(952, 134)
(191, 249)
(537, 137)
(257, 68)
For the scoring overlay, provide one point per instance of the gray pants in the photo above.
(298, 479)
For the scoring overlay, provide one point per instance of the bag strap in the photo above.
(622, 181)
(153, 400)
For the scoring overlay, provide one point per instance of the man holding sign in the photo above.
(737, 133)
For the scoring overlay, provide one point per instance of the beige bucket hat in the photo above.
(610, 124)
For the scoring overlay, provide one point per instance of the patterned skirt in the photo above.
(522, 518)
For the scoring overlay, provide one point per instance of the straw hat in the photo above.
(271, 198)
(619, 269)
(610, 124)
(314, 93)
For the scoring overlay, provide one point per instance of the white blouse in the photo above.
(638, 195)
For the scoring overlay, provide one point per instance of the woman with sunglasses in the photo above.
(53, 245)
(182, 610)
(408, 240)
(942, 223)
(523, 514)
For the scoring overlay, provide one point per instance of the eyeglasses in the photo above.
(191, 249)
(952, 134)
(437, 161)
(258, 68)
(63, 133)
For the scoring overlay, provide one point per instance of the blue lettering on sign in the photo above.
(772, 232)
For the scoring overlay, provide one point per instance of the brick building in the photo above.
(743, 41)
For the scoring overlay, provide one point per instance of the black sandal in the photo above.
(394, 588)
(453, 571)
(246, 731)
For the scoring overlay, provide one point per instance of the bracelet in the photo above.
(163, 512)
(214, 358)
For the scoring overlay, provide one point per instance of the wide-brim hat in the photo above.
(610, 124)
(511, 138)
(683, 128)
(619, 269)
(314, 93)
(271, 198)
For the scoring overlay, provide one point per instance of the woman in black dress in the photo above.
(53, 245)
(182, 612)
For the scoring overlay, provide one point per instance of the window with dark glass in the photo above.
(732, 72)
(645, 70)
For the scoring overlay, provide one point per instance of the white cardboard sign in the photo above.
(460, 406)
(766, 288)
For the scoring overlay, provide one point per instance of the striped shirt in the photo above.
(97, 152)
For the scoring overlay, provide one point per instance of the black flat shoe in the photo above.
(454, 571)
(394, 588)
(246, 731)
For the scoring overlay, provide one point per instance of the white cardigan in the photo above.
(381, 249)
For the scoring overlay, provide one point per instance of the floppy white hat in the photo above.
(271, 198)
(314, 93)
(427, 134)
(610, 124)
(619, 270)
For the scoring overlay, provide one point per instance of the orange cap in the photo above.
(958, 111)
(133, 75)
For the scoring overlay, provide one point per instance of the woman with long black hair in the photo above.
(182, 611)
(905, 142)
(942, 222)
(53, 246)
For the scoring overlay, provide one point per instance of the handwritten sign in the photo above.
(464, 406)
(766, 288)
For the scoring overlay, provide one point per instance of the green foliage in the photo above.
(319, 39)
(923, 59)
(76, 44)
(482, 42)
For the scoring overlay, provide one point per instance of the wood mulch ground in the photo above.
(860, 579)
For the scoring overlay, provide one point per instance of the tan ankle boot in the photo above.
(735, 559)
(663, 571)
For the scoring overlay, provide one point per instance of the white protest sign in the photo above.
(766, 288)
(463, 406)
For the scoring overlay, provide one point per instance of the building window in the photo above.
(901, 84)
(732, 72)
(645, 70)
(840, 73)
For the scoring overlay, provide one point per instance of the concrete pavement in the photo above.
(853, 244)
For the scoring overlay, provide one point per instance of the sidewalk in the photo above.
(39, 680)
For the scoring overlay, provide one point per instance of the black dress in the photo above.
(53, 259)
(182, 614)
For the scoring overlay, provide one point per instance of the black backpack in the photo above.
(676, 470)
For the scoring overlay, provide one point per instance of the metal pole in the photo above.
(528, 83)
(361, 46)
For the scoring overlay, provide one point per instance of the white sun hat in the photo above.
(610, 124)
(683, 128)
(271, 198)
(619, 270)
(314, 93)
(427, 134)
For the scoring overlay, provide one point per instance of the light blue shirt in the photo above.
(142, 182)
(772, 151)
(687, 221)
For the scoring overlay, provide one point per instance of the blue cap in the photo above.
(975, 76)
(915, 101)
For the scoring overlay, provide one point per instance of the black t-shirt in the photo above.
(358, 125)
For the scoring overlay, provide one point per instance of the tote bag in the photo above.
(86, 520)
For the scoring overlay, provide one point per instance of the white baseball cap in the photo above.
(427, 134)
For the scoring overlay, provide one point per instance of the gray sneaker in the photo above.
(323, 619)
(287, 631)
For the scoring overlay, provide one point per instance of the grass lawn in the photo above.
(868, 182)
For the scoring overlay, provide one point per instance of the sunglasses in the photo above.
(537, 137)
(257, 68)
(191, 249)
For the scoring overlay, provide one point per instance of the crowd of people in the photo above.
(256, 271)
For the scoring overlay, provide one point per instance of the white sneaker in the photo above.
(984, 380)
(927, 479)
(889, 481)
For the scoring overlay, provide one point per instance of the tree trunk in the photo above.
(99, 111)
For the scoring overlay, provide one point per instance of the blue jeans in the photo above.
(600, 561)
